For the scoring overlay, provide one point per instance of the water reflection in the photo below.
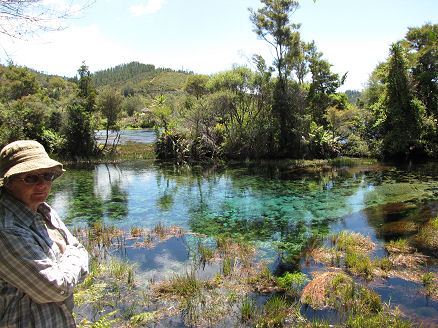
(124, 136)
(279, 209)
(264, 203)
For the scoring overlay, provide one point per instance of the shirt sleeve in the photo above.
(25, 265)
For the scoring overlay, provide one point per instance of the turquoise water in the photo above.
(263, 202)
(276, 207)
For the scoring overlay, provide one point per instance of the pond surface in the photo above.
(138, 135)
(278, 208)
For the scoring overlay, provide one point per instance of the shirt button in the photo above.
(62, 292)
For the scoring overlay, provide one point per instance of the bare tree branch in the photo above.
(21, 19)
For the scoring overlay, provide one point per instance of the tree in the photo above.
(78, 127)
(21, 18)
(132, 104)
(109, 103)
(271, 24)
(86, 89)
(78, 131)
(375, 85)
(196, 85)
(422, 43)
(323, 84)
(162, 110)
(403, 113)
(17, 82)
(58, 87)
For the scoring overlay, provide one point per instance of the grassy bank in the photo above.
(122, 153)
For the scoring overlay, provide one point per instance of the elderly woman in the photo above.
(41, 262)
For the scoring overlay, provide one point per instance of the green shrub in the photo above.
(293, 282)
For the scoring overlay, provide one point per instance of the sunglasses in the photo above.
(34, 178)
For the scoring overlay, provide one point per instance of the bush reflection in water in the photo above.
(280, 209)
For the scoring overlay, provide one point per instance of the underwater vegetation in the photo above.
(239, 246)
(241, 291)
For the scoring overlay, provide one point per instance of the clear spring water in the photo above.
(276, 207)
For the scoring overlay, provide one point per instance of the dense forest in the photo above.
(290, 108)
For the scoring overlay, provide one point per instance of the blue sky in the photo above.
(207, 36)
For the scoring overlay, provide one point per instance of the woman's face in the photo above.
(31, 195)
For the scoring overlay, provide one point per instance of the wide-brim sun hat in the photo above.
(25, 156)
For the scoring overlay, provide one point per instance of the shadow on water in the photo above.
(278, 208)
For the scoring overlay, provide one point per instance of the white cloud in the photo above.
(62, 53)
(152, 6)
(66, 50)
(357, 57)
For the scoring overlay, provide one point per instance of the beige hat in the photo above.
(24, 156)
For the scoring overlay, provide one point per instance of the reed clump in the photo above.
(348, 240)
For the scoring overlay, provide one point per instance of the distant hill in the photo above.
(121, 73)
(141, 78)
(353, 95)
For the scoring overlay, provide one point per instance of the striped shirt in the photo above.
(37, 278)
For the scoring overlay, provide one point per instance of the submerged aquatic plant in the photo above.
(190, 308)
(384, 263)
(160, 230)
(339, 291)
(227, 266)
(427, 278)
(100, 238)
(221, 243)
(103, 322)
(316, 292)
(122, 270)
(137, 232)
(202, 253)
(204, 303)
(387, 318)
(263, 280)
